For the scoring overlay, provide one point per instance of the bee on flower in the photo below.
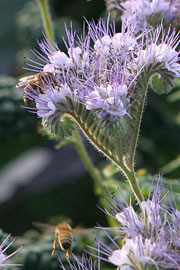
(100, 76)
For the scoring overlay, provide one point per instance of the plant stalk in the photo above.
(131, 177)
(46, 19)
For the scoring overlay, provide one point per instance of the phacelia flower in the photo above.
(151, 236)
(3, 256)
(99, 72)
(109, 100)
(164, 53)
(147, 12)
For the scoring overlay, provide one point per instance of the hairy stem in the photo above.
(130, 175)
(46, 19)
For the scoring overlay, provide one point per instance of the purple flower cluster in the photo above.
(151, 236)
(142, 10)
(99, 71)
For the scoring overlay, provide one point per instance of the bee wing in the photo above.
(24, 81)
(44, 226)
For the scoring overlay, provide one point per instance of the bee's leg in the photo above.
(54, 247)
(68, 252)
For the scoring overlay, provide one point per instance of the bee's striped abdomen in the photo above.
(65, 237)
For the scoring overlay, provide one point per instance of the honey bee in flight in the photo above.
(63, 236)
(33, 83)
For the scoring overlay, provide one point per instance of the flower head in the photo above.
(98, 75)
(151, 236)
(164, 53)
(147, 12)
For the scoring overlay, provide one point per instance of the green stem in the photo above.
(94, 172)
(46, 19)
(130, 175)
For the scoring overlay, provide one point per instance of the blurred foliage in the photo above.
(11, 114)
(73, 199)
(159, 138)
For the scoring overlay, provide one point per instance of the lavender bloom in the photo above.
(3, 256)
(164, 53)
(51, 103)
(101, 77)
(138, 253)
(109, 100)
(144, 10)
(47, 103)
(151, 236)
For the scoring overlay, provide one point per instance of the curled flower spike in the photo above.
(163, 53)
(101, 83)
(3, 256)
(147, 12)
(150, 236)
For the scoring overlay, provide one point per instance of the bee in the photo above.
(33, 83)
(63, 236)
